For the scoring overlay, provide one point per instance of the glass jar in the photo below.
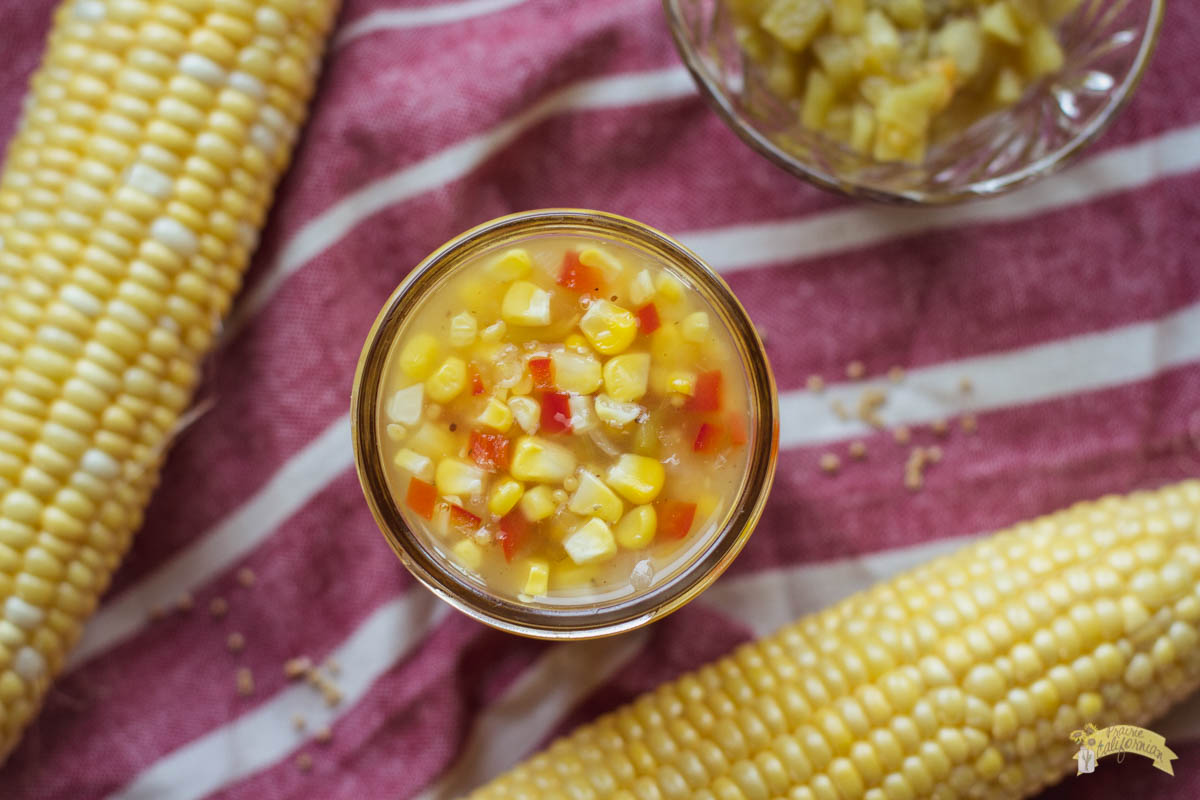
(700, 563)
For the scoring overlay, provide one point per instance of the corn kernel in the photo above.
(602, 260)
(504, 496)
(457, 477)
(583, 417)
(590, 543)
(695, 327)
(447, 381)
(616, 414)
(576, 372)
(608, 327)
(537, 460)
(496, 415)
(432, 440)
(494, 332)
(569, 575)
(626, 377)
(526, 412)
(419, 356)
(537, 578)
(414, 463)
(469, 554)
(404, 406)
(577, 343)
(641, 288)
(682, 382)
(526, 304)
(668, 287)
(637, 478)
(538, 503)
(594, 499)
(462, 329)
(510, 265)
(637, 528)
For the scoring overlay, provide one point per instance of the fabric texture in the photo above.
(1073, 306)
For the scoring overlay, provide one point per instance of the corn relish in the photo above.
(564, 419)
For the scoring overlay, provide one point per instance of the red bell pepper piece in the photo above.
(708, 392)
(556, 413)
(463, 521)
(420, 497)
(708, 438)
(489, 450)
(648, 318)
(675, 519)
(737, 430)
(513, 530)
(542, 370)
(577, 276)
(476, 381)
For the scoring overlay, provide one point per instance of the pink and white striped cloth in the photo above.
(1073, 306)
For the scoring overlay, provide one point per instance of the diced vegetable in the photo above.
(457, 477)
(505, 494)
(675, 519)
(610, 328)
(736, 426)
(668, 287)
(682, 382)
(527, 413)
(641, 289)
(514, 530)
(405, 405)
(597, 258)
(463, 522)
(591, 542)
(648, 319)
(432, 440)
(636, 529)
(583, 418)
(556, 413)
(526, 304)
(795, 22)
(469, 554)
(708, 438)
(637, 478)
(538, 460)
(447, 381)
(463, 328)
(489, 450)
(1041, 54)
(496, 415)
(615, 413)
(537, 580)
(420, 497)
(414, 463)
(542, 370)
(627, 376)
(594, 499)
(538, 503)
(579, 277)
(695, 327)
(494, 332)
(998, 20)
(510, 265)
(419, 356)
(708, 393)
(573, 372)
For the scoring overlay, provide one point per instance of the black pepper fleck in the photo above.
(453, 427)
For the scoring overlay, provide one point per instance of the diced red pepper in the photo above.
(476, 381)
(737, 430)
(708, 438)
(513, 530)
(556, 413)
(675, 519)
(577, 276)
(463, 521)
(421, 497)
(648, 317)
(489, 450)
(542, 370)
(708, 392)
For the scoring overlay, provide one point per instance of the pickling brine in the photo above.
(565, 420)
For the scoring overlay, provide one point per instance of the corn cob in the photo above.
(130, 202)
(962, 678)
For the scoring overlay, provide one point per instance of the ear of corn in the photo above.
(962, 678)
(130, 201)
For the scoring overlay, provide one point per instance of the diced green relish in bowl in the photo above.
(564, 423)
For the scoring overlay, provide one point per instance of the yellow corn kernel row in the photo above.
(130, 201)
(962, 678)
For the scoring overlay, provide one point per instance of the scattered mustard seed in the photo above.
(236, 642)
(858, 450)
(297, 667)
(965, 386)
(323, 735)
(218, 607)
(830, 463)
(299, 722)
(245, 681)
(333, 667)
(185, 602)
(902, 434)
(933, 454)
(815, 383)
(969, 423)
(855, 370)
(839, 410)
(869, 403)
(245, 577)
(940, 427)
(896, 374)
(304, 762)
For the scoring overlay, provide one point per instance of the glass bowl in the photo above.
(1107, 44)
(698, 565)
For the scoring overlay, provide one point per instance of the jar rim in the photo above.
(434, 570)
